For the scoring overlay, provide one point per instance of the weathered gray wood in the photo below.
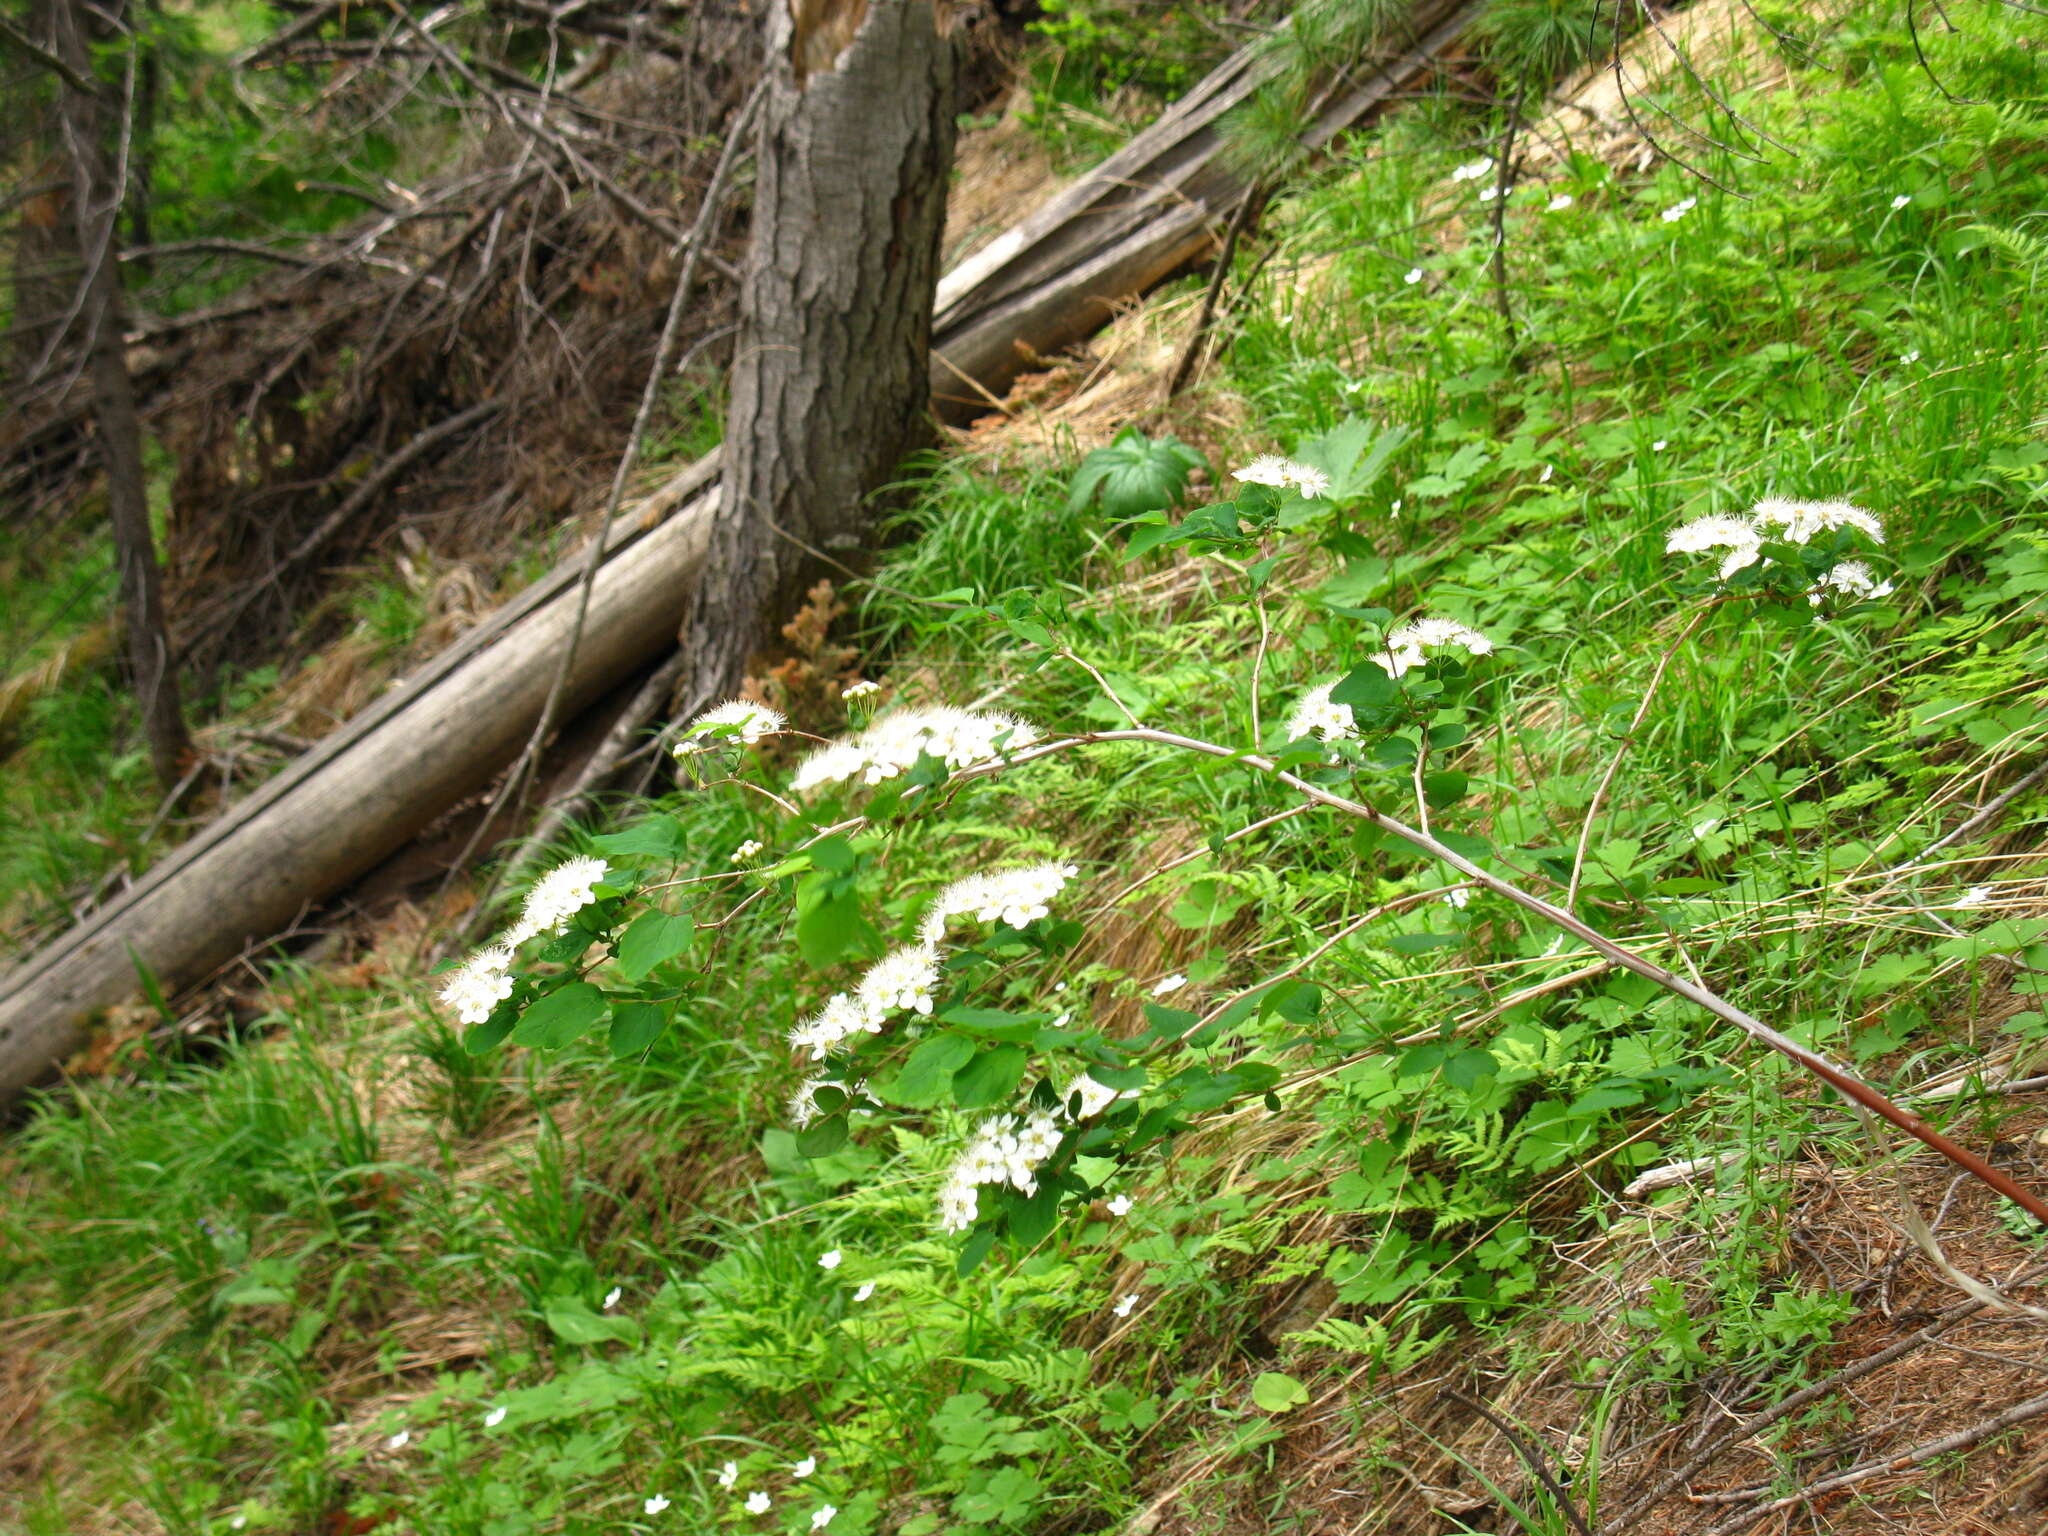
(1144, 214)
(830, 367)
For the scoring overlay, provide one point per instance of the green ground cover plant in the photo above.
(574, 1264)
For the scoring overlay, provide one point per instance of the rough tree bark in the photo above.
(830, 372)
(96, 198)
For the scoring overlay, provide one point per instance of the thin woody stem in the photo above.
(1834, 1075)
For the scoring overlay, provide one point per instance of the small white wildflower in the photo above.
(1003, 1152)
(1460, 898)
(1706, 828)
(1120, 1206)
(1012, 896)
(238, 1522)
(1852, 579)
(835, 764)
(1314, 715)
(1679, 209)
(1710, 533)
(822, 1516)
(1559, 203)
(398, 1441)
(558, 896)
(1660, 445)
(611, 1297)
(728, 1474)
(830, 1259)
(1798, 521)
(901, 981)
(1412, 276)
(746, 851)
(482, 982)
(655, 1505)
(1910, 358)
(840, 1018)
(867, 1289)
(1472, 170)
(1902, 199)
(1396, 506)
(1271, 469)
(1975, 896)
(1166, 984)
(1409, 645)
(1544, 478)
(1123, 1307)
(758, 1502)
(860, 690)
(494, 1418)
(736, 718)
(805, 1467)
(1488, 194)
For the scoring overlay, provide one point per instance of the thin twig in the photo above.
(1527, 1453)
(1197, 342)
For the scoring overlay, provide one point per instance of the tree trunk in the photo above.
(96, 197)
(830, 378)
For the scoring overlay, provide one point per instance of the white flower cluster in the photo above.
(1003, 1152)
(1271, 469)
(1316, 716)
(1792, 522)
(960, 738)
(1013, 896)
(741, 718)
(1472, 170)
(480, 984)
(556, 897)
(1408, 645)
(484, 980)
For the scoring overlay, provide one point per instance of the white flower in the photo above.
(894, 744)
(1910, 358)
(1412, 276)
(556, 897)
(494, 1418)
(1166, 984)
(238, 1522)
(1003, 1152)
(1012, 896)
(1902, 199)
(741, 718)
(1272, 469)
(901, 980)
(1408, 645)
(611, 1298)
(1706, 828)
(655, 1505)
(841, 1017)
(829, 1259)
(1708, 533)
(1975, 896)
(1095, 1097)
(1314, 715)
(1853, 579)
(1679, 209)
(822, 1516)
(1544, 478)
(1396, 506)
(1488, 194)
(1120, 1206)
(1559, 203)
(867, 1289)
(482, 982)
(1123, 1307)
(805, 1467)
(1660, 445)
(758, 1502)
(745, 851)
(829, 765)
(1472, 170)
(860, 690)
(1459, 898)
(398, 1441)
(1798, 521)
(728, 1474)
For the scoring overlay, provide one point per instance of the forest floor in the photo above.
(321, 1269)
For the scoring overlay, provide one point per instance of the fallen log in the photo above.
(1138, 218)
(1146, 213)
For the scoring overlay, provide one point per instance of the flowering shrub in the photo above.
(1064, 1102)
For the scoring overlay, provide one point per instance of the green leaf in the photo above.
(1278, 1393)
(1367, 687)
(572, 1320)
(1444, 789)
(835, 854)
(994, 1023)
(929, 1071)
(974, 1250)
(652, 937)
(1469, 1067)
(486, 1037)
(830, 925)
(1133, 475)
(990, 1077)
(1150, 536)
(560, 1017)
(635, 1026)
(651, 837)
(1170, 1023)
(823, 1137)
